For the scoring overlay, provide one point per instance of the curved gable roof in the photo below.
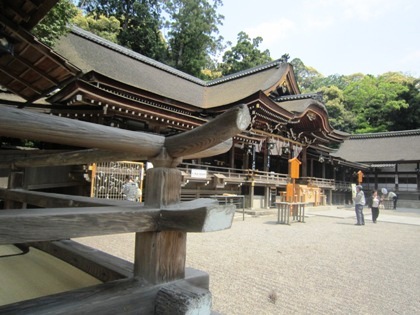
(93, 53)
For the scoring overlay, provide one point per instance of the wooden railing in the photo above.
(235, 175)
(158, 283)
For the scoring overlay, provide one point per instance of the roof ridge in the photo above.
(271, 64)
(386, 134)
(130, 53)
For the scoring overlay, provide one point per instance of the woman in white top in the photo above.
(375, 205)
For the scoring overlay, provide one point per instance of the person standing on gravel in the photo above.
(359, 202)
(373, 203)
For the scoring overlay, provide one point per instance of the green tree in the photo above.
(339, 117)
(55, 23)
(408, 117)
(373, 101)
(244, 55)
(192, 28)
(140, 23)
(108, 28)
(306, 76)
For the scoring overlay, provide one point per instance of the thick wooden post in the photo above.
(160, 256)
(16, 180)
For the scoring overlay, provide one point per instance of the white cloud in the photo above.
(272, 32)
(348, 9)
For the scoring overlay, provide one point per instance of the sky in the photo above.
(332, 36)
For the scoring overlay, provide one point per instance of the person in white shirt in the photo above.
(374, 205)
(359, 202)
(393, 196)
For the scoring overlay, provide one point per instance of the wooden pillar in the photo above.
(16, 180)
(232, 156)
(160, 256)
(304, 162)
(312, 168)
(266, 169)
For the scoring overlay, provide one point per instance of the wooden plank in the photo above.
(127, 296)
(53, 200)
(223, 127)
(205, 215)
(96, 263)
(32, 225)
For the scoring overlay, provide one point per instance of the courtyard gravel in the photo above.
(326, 265)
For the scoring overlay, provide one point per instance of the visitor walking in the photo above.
(373, 203)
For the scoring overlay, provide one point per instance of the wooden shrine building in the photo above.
(104, 83)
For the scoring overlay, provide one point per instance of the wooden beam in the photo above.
(20, 123)
(89, 156)
(33, 225)
(52, 200)
(207, 216)
(126, 296)
(223, 127)
(96, 263)
(182, 298)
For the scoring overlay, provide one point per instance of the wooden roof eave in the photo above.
(287, 79)
(101, 79)
(27, 13)
(92, 92)
(27, 45)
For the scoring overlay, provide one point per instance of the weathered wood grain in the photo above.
(53, 200)
(223, 127)
(90, 156)
(20, 123)
(126, 296)
(32, 225)
(205, 215)
(24, 124)
(160, 256)
(163, 187)
(182, 298)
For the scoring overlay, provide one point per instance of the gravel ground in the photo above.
(326, 265)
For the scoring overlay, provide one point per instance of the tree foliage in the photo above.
(306, 76)
(55, 23)
(374, 100)
(140, 23)
(244, 55)
(192, 34)
(339, 117)
(108, 28)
